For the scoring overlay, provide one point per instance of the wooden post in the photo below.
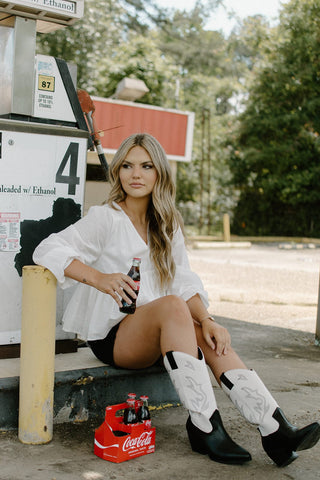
(37, 355)
(226, 228)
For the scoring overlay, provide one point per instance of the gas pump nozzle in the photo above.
(88, 109)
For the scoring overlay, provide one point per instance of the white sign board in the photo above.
(63, 11)
(51, 99)
(42, 180)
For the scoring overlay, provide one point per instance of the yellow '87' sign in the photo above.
(46, 83)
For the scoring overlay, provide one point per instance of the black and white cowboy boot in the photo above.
(280, 439)
(205, 429)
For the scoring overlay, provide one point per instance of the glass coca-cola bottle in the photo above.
(143, 411)
(134, 273)
(129, 415)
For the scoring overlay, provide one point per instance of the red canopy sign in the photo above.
(119, 119)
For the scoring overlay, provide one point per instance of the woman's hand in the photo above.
(216, 336)
(117, 285)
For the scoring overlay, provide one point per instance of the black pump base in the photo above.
(282, 445)
(217, 444)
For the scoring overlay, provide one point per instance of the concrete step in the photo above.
(84, 386)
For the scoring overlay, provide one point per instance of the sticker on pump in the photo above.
(9, 231)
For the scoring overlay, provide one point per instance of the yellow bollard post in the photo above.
(37, 355)
(226, 227)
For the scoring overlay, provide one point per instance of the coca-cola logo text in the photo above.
(137, 442)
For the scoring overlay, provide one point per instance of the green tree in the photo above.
(183, 37)
(275, 153)
(139, 57)
(208, 86)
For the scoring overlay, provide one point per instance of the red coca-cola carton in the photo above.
(117, 442)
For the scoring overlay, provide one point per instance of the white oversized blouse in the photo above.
(107, 240)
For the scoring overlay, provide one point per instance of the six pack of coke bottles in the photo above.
(137, 411)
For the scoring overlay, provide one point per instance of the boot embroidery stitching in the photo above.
(189, 365)
(259, 405)
(199, 400)
(242, 377)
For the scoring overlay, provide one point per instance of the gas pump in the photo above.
(43, 148)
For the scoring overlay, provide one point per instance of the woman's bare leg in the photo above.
(154, 329)
(218, 364)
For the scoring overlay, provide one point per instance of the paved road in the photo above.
(264, 284)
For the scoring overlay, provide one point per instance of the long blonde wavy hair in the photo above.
(162, 216)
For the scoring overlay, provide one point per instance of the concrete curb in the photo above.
(205, 245)
(82, 394)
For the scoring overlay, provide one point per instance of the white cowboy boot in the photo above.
(206, 432)
(280, 439)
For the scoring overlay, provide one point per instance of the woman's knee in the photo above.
(175, 309)
(173, 303)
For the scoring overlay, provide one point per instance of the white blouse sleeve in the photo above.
(186, 283)
(83, 241)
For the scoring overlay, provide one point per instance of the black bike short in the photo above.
(103, 349)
